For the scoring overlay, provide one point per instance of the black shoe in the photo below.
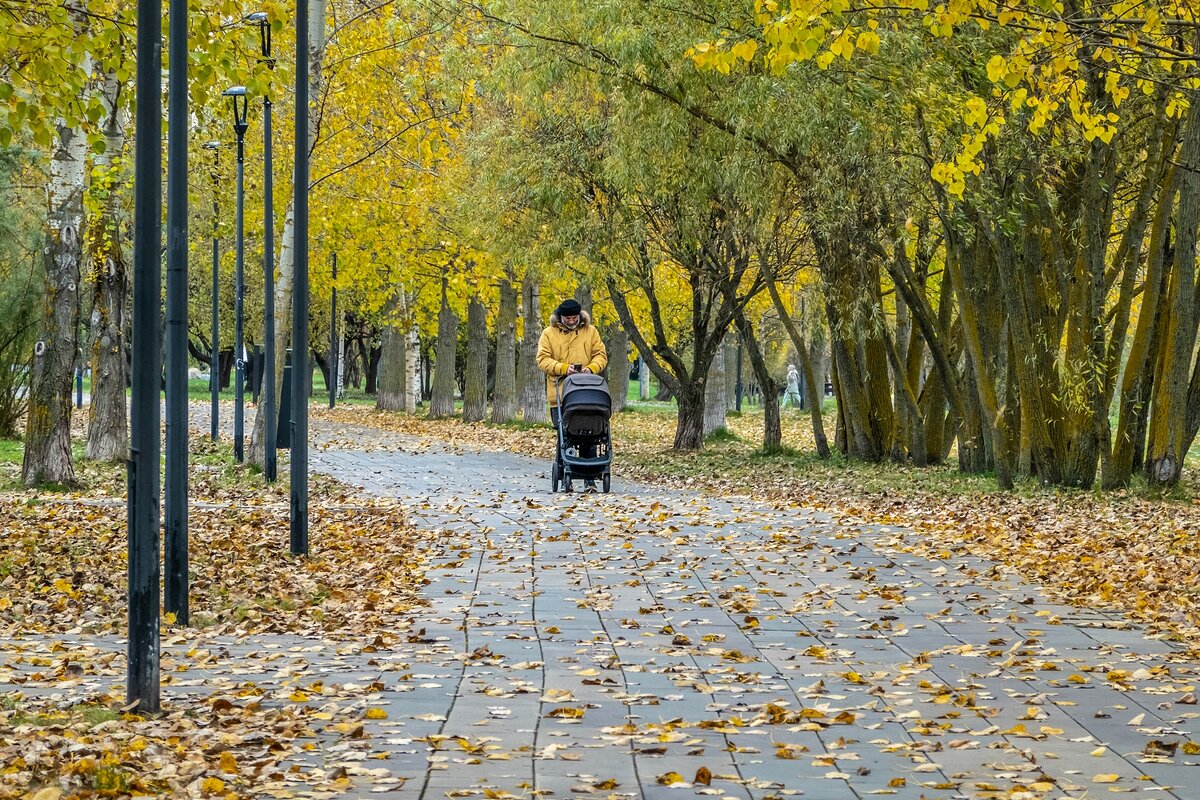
(590, 485)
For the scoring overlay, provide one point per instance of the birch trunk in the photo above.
(730, 348)
(412, 374)
(108, 420)
(48, 427)
(714, 395)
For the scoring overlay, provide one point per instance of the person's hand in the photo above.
(586, 371)
(571, 370)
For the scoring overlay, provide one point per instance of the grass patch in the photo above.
(37, 720)
(12, 451)
(198, 391)
(89, 714)
(653, 407)
(721, 436)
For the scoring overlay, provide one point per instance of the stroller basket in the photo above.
(584, 407)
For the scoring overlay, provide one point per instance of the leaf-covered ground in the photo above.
(64, 727)
(1125, 550)
(476, 637)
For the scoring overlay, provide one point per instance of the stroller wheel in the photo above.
(566, 479)
(554, 477)
(607, 483)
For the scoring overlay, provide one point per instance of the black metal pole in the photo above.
(175, 532)
(214, 371)
(333, 338)
(239, 293)
(268, 398)
(142, 680)
(300, 371)
(79, 387)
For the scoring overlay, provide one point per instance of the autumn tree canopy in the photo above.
(977, 219)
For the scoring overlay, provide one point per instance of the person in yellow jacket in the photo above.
(569, 344)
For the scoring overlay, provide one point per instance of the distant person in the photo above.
(569, 344)
(792, 395)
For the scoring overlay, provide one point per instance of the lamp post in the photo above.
(175, 527)
(300, 368)
(142, 678)
(239, 100)
(263, 22)
(214, 371)
(333, 336)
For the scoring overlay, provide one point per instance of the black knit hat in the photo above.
(569, 308)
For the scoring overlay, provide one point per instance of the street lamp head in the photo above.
(239, 99)
(213, 145)
(263, 21)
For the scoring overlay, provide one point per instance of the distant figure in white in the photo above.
(792, 395)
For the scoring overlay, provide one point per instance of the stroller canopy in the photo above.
(585, 405)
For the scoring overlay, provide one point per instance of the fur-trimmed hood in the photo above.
(585, 319)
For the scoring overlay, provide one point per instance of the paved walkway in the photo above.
(659, 644)
(616, 645)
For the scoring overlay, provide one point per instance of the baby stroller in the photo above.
(584, 440)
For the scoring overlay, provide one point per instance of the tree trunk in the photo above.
(350, 358)
(730, 348)
(441, 404)
(772, 432)
(256, 453)
(987, 403)
(583, 296)
(48, 427)
(406, 378)
(689, 428)
(390, 396)
(372, 377)
(412, 372)
(643, 380)
(1165, 454)
(108, 420)
(811, 394)
(475, 389)
(714, 395)
(1138, 385)
(618, 369)
(504, 397)
(530, 378)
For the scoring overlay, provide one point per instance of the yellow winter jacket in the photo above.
(559, 348)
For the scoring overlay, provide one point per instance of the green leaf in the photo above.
(5, 137)
(6, 90)
(99, 145)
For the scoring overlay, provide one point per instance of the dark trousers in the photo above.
(556, 421)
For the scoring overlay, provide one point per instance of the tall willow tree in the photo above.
(991, 199)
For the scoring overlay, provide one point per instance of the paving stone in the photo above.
(810, 624)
